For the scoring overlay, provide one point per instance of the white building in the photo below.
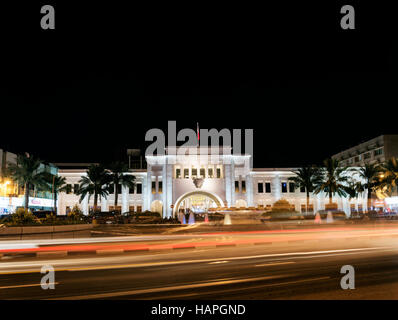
(203, 180)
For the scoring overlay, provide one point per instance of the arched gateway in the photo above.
(198, 201)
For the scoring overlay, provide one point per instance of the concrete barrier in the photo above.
(33, 230)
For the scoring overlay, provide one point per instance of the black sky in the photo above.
(94, 86)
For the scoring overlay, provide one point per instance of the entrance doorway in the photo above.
(198, 202)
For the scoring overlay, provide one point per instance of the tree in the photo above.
(389, 180)
(369, 175)
(332, 180)
(307, 178)
(26, 173)
(56, 184)
(94, 183)
(118, 177)
(354, 188)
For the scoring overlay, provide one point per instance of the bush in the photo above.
(76, 214)
(50, 219)
(148, 213)
(23, 216)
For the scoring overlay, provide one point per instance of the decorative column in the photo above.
(276, 187)
(104, 204)
(315, 202)
(148, 195)
(249, 190)
(144, 194)
(232, 183)
(365, 201)
(164, 191)
(346, 207)
(85, 205)
(125, 199)
(228, 184)
(169, 189)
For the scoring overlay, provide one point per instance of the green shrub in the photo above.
(23, 216)
(50, 219)
(76, 214)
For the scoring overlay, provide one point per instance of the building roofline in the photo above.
(359, 146)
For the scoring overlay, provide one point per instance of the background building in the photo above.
(378, 149)
(12, 195)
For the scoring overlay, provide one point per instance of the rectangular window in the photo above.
(194, 173)
(131, 208)
(119, 188)
(160, 187)
(202, 172)
(76, 188)
(260, 187)
(139, 188)
(131, 190)
(68, 188)
(186, 173)
(284, 187)
(267, 187)
(178, 173)
(139, 209)
(378, 152)
(302, 189)
(218, 173)
(153, 186)
(366, 155)
(210, 173)
(292, 187)
(243, 186)
(236, 186)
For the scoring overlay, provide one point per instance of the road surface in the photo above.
(251, 265)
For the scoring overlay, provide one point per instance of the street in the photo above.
(292, 264)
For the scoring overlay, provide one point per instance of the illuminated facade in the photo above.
(203, 181)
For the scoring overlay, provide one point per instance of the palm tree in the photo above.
(26, 173)
(307, 178)
(332, 180)
(354, 188)
(94, 183)
(389, 180)
(118, 177)
(56, 184)
(369, 174)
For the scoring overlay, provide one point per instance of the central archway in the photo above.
(217, 200)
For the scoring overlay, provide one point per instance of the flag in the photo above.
(197, 130)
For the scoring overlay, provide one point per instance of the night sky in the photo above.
(91, 88)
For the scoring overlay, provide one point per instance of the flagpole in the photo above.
(197, 132)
